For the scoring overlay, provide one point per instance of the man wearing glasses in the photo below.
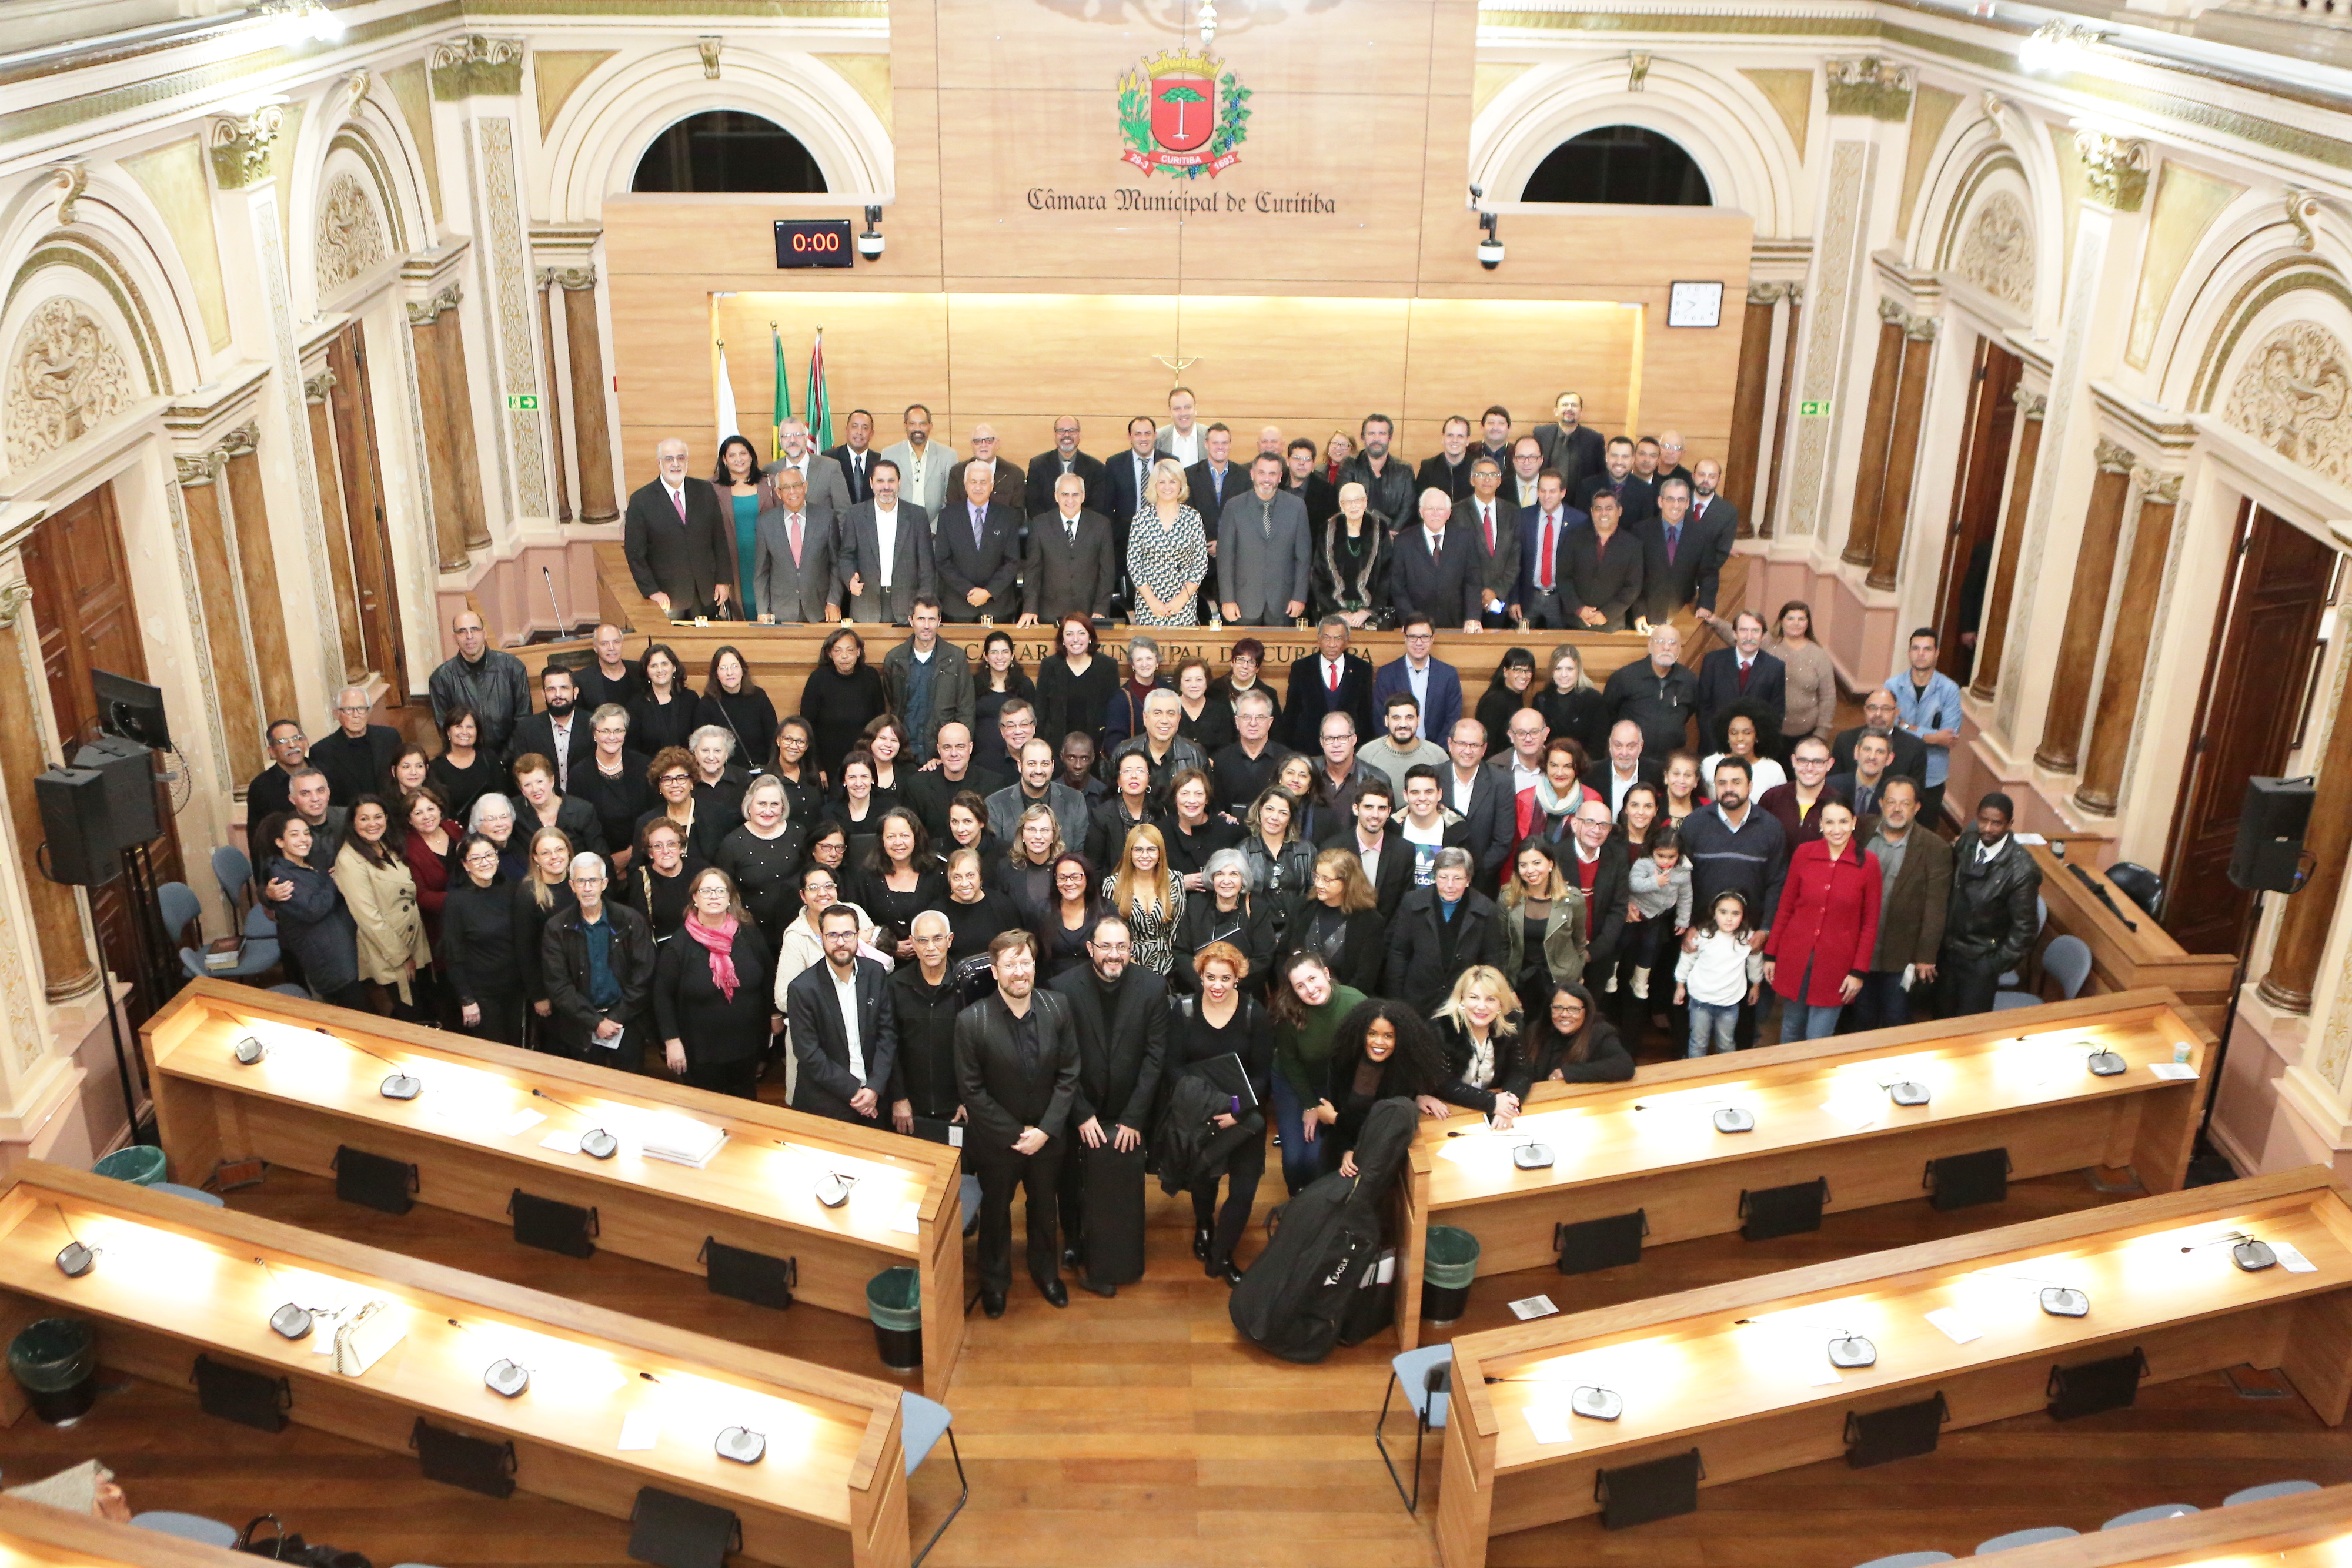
(1006, 482)
(924, 1004)
(269, 792)
(1047, 469)
(356, 758)
(598, 958)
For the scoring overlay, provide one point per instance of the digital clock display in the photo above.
(814, 242)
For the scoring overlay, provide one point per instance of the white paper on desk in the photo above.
(640, 1429)
(2175, 1070)
(1818, 1372)
(1533, 1307)
(1854, 1114)
(562, 1143)
(1955, 1327)
(1471, 1149)
(521, 1122)
(910, 1218)
(1549, 1427)
(2291, 1260)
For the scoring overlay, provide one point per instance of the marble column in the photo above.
(2113, 720)
(256, 559)
(1747, 404)
(338, 536)
(1902, 451)
(447, 474)
(66, 966)
(1993, 630)
(228, 652)
(1789, 331)
(546, 282)
(1877, 431)
(591, 430)
(2086, 612)
(2326, 842)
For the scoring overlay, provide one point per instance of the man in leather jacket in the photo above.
(1991, 921)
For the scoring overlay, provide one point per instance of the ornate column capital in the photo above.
(315, 388)
(570, 279)
(424, 313)
(2032, 405)
(241, 145)
(1766, 293)
(1921, 329)
(194, 469)
(2117, 168)
(2158, 488)
(708, 47)
(14, 596)
(1796, 293)
(477, 65)
(2116, 459)
(242, 442)
(1868, 85)
(1890, 311)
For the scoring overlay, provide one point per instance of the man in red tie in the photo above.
(675, 540)
(1483, 513)
(1329, 680)
(1745, 673)
(1544, 530)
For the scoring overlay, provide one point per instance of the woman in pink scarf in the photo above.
(712, 989)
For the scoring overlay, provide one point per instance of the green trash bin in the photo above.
(142, 1164)
(894, 1300)
(1449, 1262)
(55, 1360)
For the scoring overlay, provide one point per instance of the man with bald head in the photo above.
(1658, 694)
(1047, 468)
(1882, 714)
(1438, 571)
(794, 558)
(1071, 568)
(978, 544)
(613, 677)
(677, 539)
(1005, 482)
(488, 681)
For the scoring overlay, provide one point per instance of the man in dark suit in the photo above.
(1434, 685)
(842, 1029)
(1570, 444)
(1599, 863)
(1302, 476)
(856, 456)
(1386, 477)
(675, 539)
(1129, 476)
(1541, 594)
(358, 756)
(1215, 479)
(1330, 680)
(882, 590)
(559, 731)
(1482, 514)
(271, 790)
(1016, 1059)
(1372, 838)
(1495, 436)
(1047, 467)
(1742, 673)
(1070, 569)
(1006, 482)
(1670, 456)
(610, 677)
(1873, 754)
(1635, 500)
(1482, 796)
(1602, 582)
(1448, 469)
(1707, 505)
(1435, 572)
(796, 557)
(1611, 775)
(977, 547)
(1118, 1009)
(1881, 715)
(1682, 559)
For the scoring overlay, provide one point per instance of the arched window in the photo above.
(1619, 163)
(727, 150)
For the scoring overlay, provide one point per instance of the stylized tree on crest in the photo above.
(1180, 97)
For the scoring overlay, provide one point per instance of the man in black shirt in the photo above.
(270, 791)
(1244, 769)
(610, 678)
(1017, 1068)
(1658, 694)
(930, 792)
(924, 1005)
(356, 758)
(1119, 1010)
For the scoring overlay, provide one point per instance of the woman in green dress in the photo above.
(738, 480)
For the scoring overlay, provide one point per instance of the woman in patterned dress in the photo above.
(1140, 891)
(1167, 553)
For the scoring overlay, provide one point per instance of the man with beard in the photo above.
(1017, 1069)
(1119, 1010)
(559, 733)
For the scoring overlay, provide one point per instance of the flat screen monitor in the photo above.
(133, 709)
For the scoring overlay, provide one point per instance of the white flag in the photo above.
(727, 421)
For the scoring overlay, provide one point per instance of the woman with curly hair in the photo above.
(1382, 1050)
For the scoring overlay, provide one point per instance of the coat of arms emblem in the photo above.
(1181, 111)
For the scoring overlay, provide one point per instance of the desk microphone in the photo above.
(2248, 1254)
(505, 1377)
(595, 1142)
(741, 1444)
(1591, 1400)
(402, 1085)
(1907, 1091)
(1846, 1348)
(75, 1259)
(2059, 1300)
(833, 1188)
(2105, 1063)
(249, 1049)
(291, 1321)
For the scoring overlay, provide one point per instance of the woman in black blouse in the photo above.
(1341, 922)
(1571, 1042)
(712, 989)
(615, 785)
(886, 740)
(1202, 716)
(1223, 1020)
(1075, 686)
(843, 694)
(666, 713)
(855, 808)
(1128, 807)
(968, 829)
(793, 738)
(1380, 1050)
(1349, 568)
(479, 962)
(542, 893)
(1025, 875)
(1573, 705)
(734, 701)
(1123, 714)
(998, 680)
(1511, 689)
(1225, 912)
(463, 773)
(1191, 833)
(657, 884)
(976, 912)
(896, 882)
(828, 847)
(1069, 921)
(763, 858)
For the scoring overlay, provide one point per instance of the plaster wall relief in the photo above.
(64, 379)
(2292, 396)
(513, 299)
(1841, 254)
(1997, 252)
(350, 235)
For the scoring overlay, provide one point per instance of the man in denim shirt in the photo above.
(1929, 703)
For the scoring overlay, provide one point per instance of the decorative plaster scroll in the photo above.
(1996, 254)
(475, 64)
(2032, 405)
(2115, 167)
(2113, 458)
(73, 179)
(424, 313)
(14, 596)
(240, 146)
(350, 235)
(708, 47)
(64, 378)
(2302, 206)
(1866, 85)
(2292, 397)
(1637, 71)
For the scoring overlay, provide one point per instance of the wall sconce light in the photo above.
(870, 243)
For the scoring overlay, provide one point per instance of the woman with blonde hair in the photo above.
(1478, 1026)
(1025, 875)
(1573, 705)
(541, 892)
(1543, 923)
(1148, 896)
(1167, 552)
(1341, 922)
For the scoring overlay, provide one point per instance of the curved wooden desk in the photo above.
(2309, 1529)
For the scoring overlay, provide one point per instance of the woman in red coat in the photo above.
(1827, 927)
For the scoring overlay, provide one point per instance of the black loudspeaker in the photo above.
(130, 771)
(2270, 835)
(83, 848)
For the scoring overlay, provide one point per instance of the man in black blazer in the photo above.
(1006, 482)
(357, 758)
(1436, 571)
(859, 569)
(1211, 482)
(1544, 531)
(856, 456)
(1742, 673)
(844, 1044)
(1129, 474)
(1373, 839)
(1017, 1059)
(1046, 468)
(1707, 505)
(1118, 1009)
(1604, 580)
(977, 550)
(1070, 570)
(1598, 862)
(1635, 499)
(1881, 715)
(677, 540)
(1483, 798)
(1449, 469)
(1330, 680)
(1483, 514)
(1570, 445)
(1682, 559)
(559, 731)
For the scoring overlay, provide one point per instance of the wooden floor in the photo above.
(1140, 1431)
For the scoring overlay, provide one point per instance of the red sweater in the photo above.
(1828, 918)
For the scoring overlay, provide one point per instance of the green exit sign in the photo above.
(1811, 408)
(528, 403)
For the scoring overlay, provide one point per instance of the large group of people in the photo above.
(1054, 911)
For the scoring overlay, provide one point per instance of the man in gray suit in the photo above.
(923, 464)
(1070, 567)
(1262, 550)
(827, 489)
(793, 560)
(885, 552)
